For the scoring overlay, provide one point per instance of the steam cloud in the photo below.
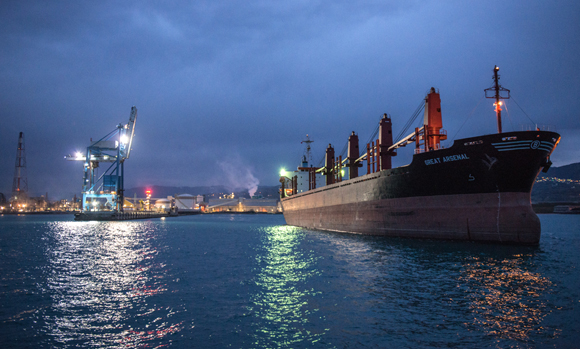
(238, 175)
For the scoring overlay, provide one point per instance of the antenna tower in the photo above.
(308, 141)
(498, 93)
(20, 183)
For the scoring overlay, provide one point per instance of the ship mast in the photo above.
(308, 157)
(497, 90)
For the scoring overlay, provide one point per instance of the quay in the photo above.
(120, 216)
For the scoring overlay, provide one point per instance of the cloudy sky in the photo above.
(227, 90)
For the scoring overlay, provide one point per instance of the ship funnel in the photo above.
(433, 122)
(329, 165)
(386, 141)
(353, 154)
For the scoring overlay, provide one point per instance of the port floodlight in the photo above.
(124, 139)
(283, 173)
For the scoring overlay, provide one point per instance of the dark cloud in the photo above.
(219, 80)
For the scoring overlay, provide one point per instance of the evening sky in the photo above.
(227, 90)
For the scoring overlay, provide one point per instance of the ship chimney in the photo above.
(385, 141)
(353, 154)
(329, 165)
(433, 123)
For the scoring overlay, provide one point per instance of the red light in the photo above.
(148, 192)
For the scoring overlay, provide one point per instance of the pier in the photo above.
(119, 216)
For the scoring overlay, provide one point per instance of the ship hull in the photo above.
(478, 190)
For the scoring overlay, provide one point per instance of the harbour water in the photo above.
(250, 281)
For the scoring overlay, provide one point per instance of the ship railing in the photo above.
(422, 150)
(536, 127)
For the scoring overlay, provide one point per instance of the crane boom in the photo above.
(130, 129)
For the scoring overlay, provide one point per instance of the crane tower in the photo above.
(20, 183)
(105, 192)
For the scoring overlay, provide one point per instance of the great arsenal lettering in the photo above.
(446, 159)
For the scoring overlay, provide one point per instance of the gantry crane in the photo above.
(114, 148)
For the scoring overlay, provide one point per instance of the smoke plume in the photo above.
(238, 175)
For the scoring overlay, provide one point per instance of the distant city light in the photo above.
(557, 180)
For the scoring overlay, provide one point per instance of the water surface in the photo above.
(252, 281)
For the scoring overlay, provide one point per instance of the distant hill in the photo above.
(218, 190)
(571, 171)
(545, 190)
(558, 185)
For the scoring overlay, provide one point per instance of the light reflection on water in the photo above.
(253, 282)
(101, 277)
(281, 306)
(506, 298)
(424, 293)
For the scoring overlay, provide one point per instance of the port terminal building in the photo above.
(243, 205)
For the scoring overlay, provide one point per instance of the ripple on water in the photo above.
(103, 278)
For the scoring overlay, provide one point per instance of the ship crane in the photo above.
(426, 138)
(113, 149)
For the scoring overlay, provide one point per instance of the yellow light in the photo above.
(500, 102)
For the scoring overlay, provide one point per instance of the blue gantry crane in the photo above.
(105, 192)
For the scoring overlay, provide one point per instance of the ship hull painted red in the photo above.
(478, 190)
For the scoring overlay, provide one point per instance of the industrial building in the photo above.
(243, 205)
(183, 203)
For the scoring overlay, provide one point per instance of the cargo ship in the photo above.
(478, 189)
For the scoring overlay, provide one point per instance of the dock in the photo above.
(118, 216)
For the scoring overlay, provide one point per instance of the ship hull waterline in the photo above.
(482, 193)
